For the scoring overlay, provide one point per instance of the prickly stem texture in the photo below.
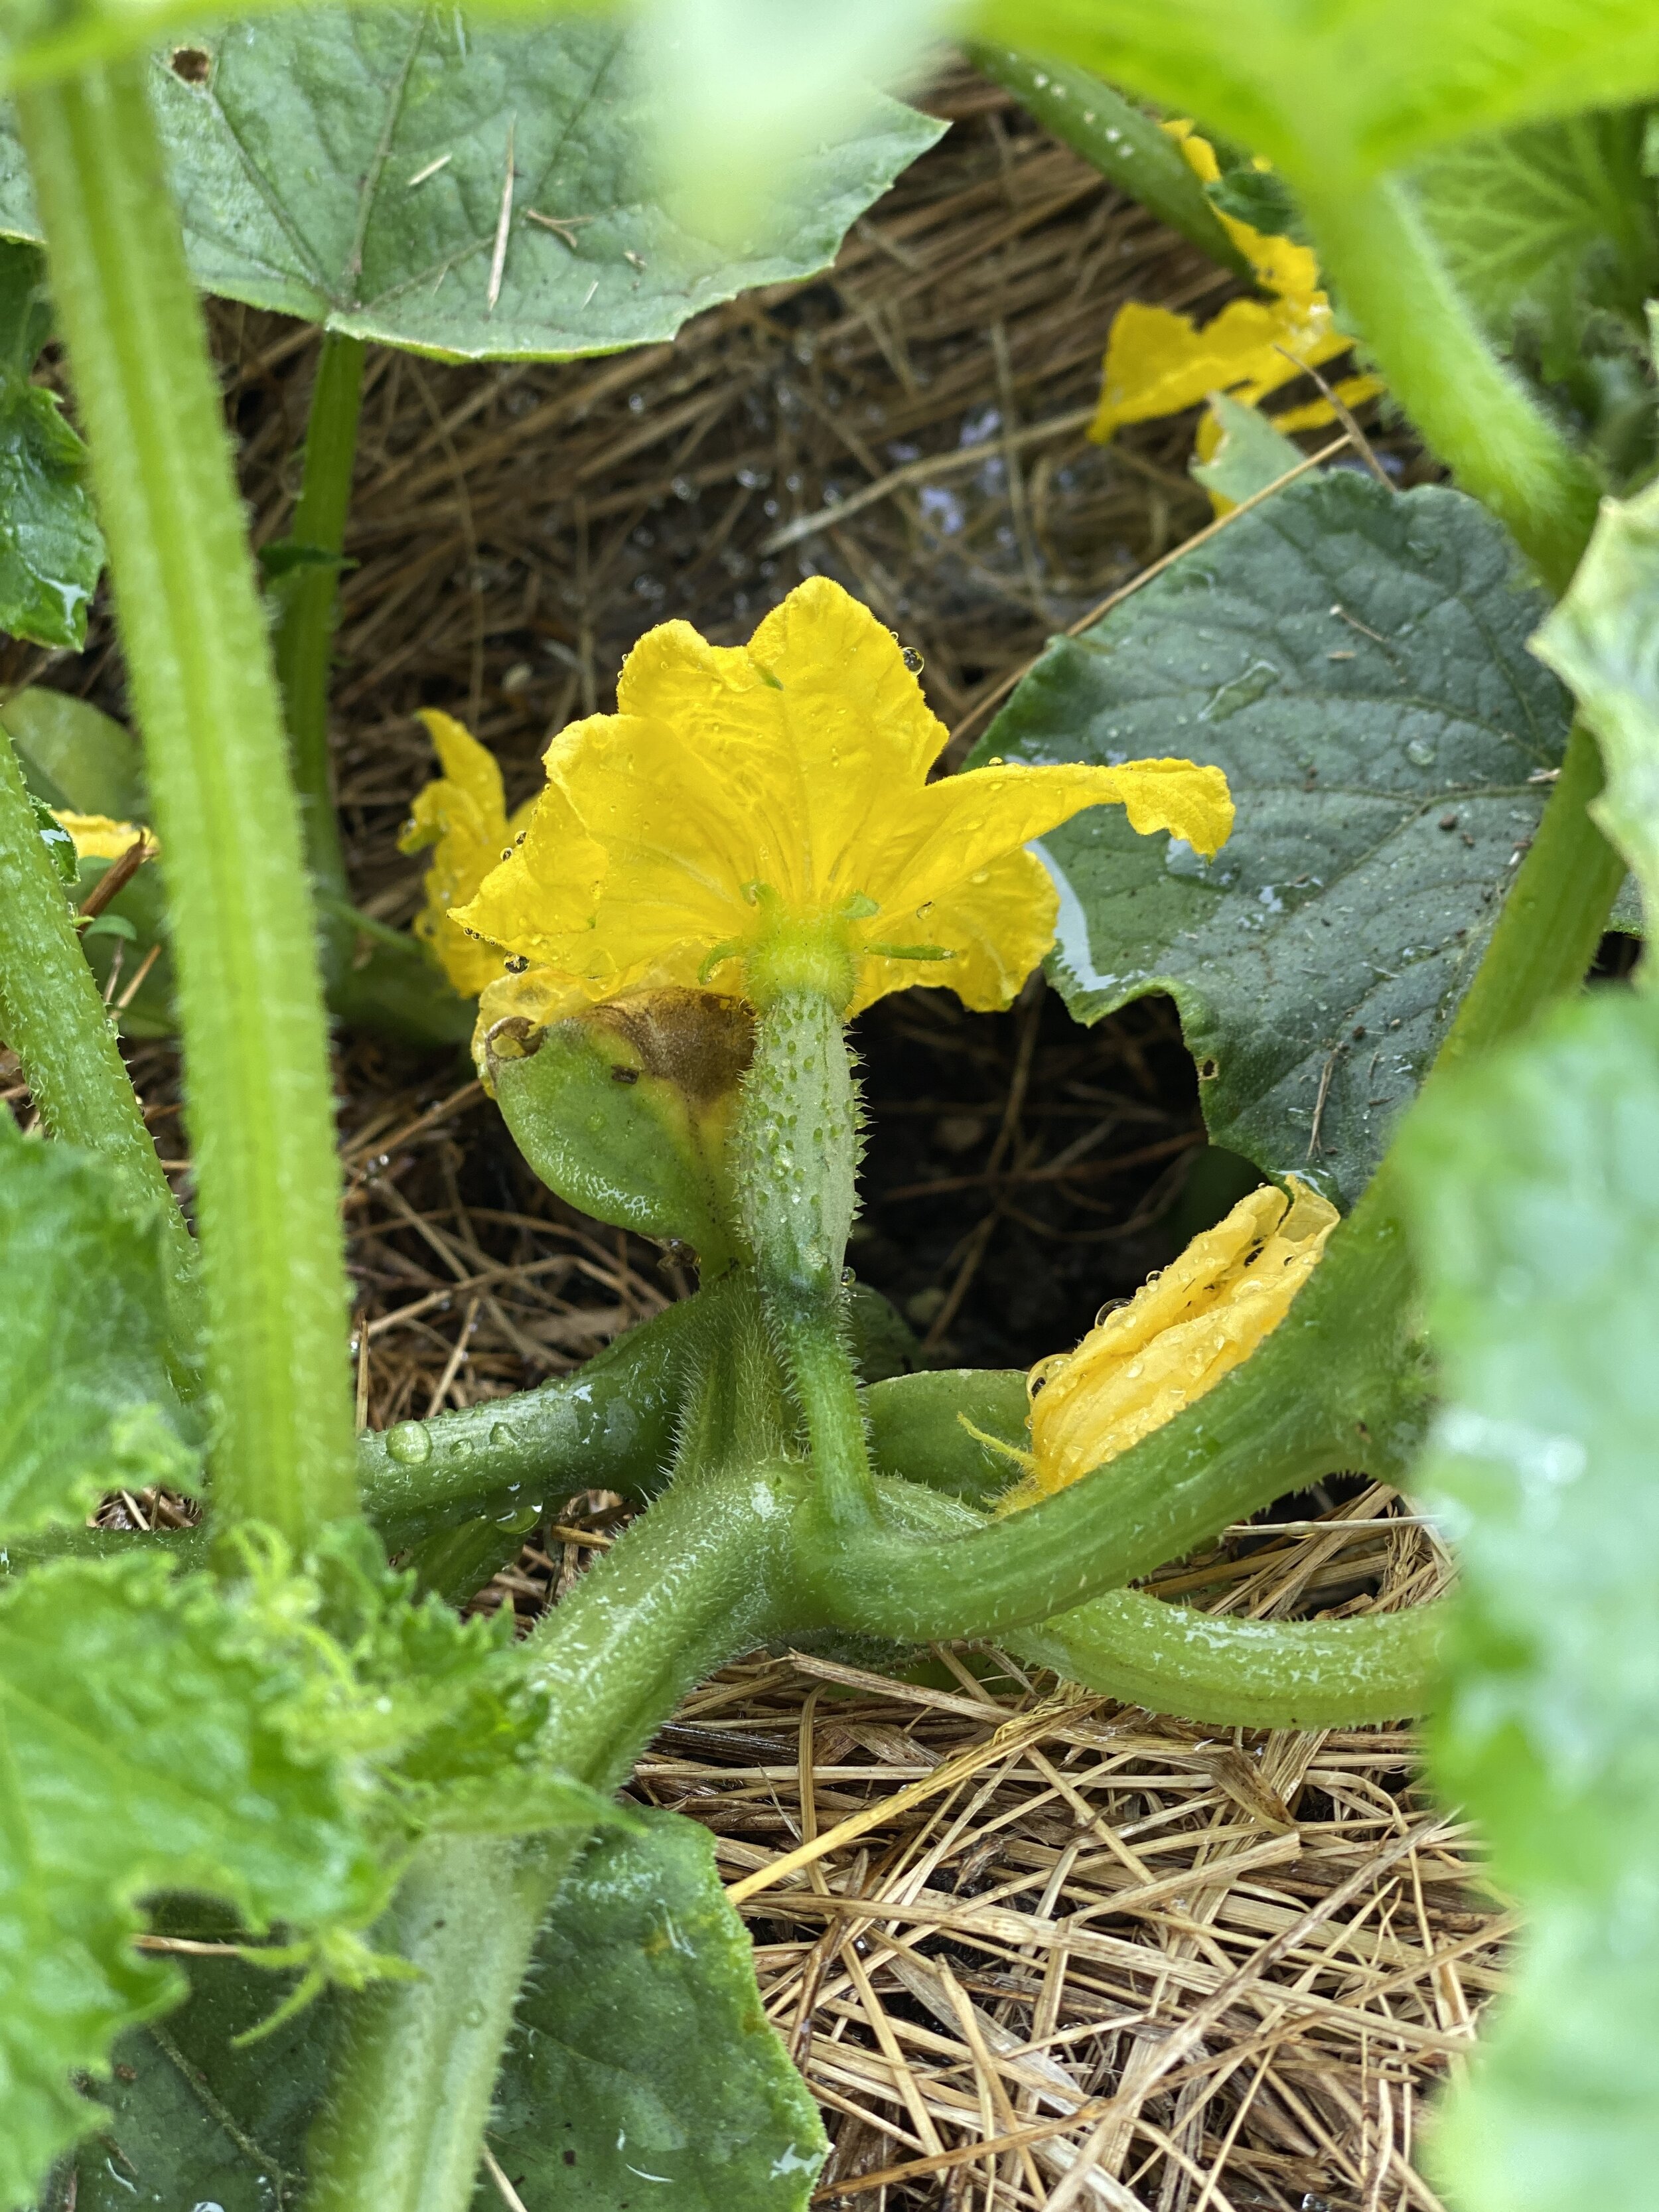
(796, 1150)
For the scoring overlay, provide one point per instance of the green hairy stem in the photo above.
(1553, 918)
(250, 1006)
(1325, 1392)
(795, 1151)
(1218, 1670)
(1393, 287)
(56, 1021)
(304, 640)
(693, 1583)
(1228, 1672)
(611, 1423)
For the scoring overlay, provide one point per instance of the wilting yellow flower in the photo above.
(1158, 363)
(1175, 1339)
(747, 799)
(462, 815)
(97, 837)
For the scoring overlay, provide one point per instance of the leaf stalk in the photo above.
(260, 1111)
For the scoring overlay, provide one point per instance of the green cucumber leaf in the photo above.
(188, 2118)
(147, 1741)
(274, 1744)
(642, 2058)
(442, 1710)
(1535, 1187)
(74, 755)
(51, 552)
(1350, 88)
(1603, 639)
(348, 165)
(1356, 661)
(86, 1401)
(1360, 86)
(1544, 226)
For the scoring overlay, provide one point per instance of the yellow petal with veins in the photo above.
(745, 791)
(1177, 1338)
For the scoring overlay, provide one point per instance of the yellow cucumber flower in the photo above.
(1175, 1339)
(1158, 363)
(759, 816)
(463, 815)
(97, 837)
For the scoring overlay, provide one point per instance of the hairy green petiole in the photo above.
(251, 1013)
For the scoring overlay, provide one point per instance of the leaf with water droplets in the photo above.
(480, 189)
(1356, 661)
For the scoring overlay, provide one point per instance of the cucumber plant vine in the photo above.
(265, 1726)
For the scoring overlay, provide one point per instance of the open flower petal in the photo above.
(994, 932)
(743, 792)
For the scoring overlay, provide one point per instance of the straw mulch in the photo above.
(1029, 1948)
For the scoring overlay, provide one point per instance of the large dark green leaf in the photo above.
(51, 550)
(1536, 1183)
(348, 165)
(1356, 661)
(191, 2120)
(86, 1401)
(643, 2061)
(1354, 86)
(642, 2058)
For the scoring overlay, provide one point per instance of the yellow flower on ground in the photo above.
(97, 837)
(770, 804)
(462, 815)
(1175, 1339)
(1158, 363)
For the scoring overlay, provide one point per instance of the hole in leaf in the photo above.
(1208, 1070)
(194, 64)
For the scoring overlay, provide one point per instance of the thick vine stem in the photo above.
(1218, 1669)
(1225, 1671)
(304, 639)
(57, 1024)
(695, 1582)
(1332, 1388)
(200, 660)
(611, 1423)
(1393, 287)
(1553, 918)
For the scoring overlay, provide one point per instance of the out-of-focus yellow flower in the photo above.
(462, 815)
(1158, 363)
(99, 838)
(753, 810)
(1175, 1339)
